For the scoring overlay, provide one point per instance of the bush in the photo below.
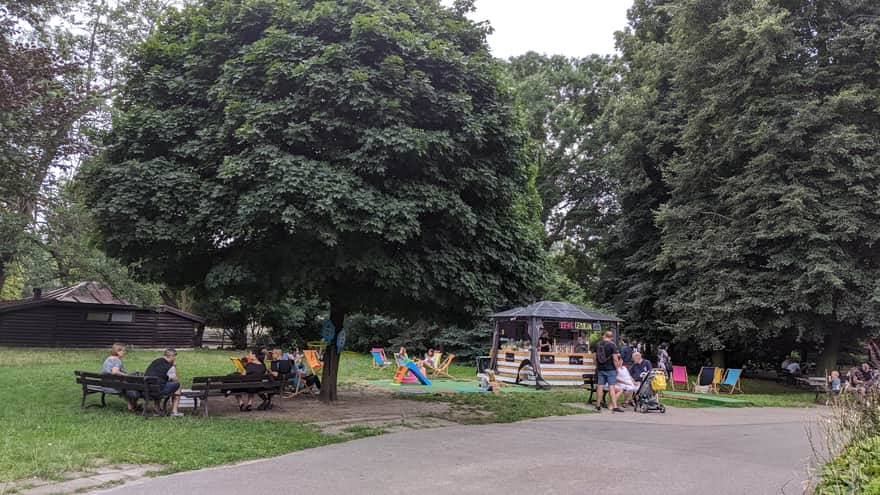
(852, 438)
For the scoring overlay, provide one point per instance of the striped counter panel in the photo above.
(565, 369)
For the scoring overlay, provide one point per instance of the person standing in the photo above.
(160, 368)
(626, 353)
(606, 365)
(664, 361)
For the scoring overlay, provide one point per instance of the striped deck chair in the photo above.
(705, 379)
(443, 368)
(679, 375)
(379, 359)
(731, 379)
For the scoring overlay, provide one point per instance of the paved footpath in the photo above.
(686, 451)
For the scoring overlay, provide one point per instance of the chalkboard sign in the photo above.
(509, 357)
(548, 359)
(576, 360)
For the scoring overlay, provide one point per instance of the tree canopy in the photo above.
(365, 151)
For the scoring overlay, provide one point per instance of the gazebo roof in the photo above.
(556, 310)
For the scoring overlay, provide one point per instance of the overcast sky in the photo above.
(569, 27)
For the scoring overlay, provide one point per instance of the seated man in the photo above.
(863, 379)
(161, 368)
(640, 366)
(281, 366)
(794, 368)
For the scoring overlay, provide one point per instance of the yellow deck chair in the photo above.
(443, 368)
(717, 379)
(312, 360)
(237, 363)
(437, 361)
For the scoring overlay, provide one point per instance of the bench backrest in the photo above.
(118, 382)
(234, 382)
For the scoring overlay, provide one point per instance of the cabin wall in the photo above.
(66, 326)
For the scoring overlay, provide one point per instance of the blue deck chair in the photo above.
(379, 360)
(732, 380)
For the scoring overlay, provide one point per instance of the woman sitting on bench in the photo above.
(252, 368)
(113, 366)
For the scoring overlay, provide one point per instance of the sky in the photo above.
(575, 28)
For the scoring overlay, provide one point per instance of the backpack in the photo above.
(602, 356)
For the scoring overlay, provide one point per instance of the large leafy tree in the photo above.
(772, 226)
(364, 151)
(641, 128)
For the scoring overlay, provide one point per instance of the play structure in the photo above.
(570, 332)
(407, 372)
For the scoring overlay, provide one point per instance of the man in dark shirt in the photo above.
(606, 365)
(626, 353)
(160, 368)
(640, 365)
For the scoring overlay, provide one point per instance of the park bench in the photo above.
(204, 387)
(591, 380)
(818, 384)
(107, 384)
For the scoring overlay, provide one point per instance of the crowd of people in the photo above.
(620, 371)
(281, 366)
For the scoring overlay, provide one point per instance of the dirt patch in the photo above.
(362, 405)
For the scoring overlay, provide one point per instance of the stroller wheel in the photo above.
(662, 409)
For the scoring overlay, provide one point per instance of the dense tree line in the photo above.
(715, 183)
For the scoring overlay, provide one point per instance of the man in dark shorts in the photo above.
(606, 355)
(160, 368)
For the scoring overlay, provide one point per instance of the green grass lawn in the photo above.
(46, 434)
(760, 393)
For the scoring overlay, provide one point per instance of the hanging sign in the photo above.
(340, 340)
(574, 325)
(328, 331)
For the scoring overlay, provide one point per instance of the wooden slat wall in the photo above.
(66, 326)
(31, 328)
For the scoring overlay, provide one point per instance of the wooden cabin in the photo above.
(88, 315)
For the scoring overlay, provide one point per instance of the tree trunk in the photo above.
(331, 356)
(718, 359)
(828, 359)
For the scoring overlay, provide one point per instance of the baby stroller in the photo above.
(647, 398)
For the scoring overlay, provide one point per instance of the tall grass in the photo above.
(846, 448)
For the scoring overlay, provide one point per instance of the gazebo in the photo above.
(570, 332)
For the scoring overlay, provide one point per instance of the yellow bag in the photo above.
(658, 383)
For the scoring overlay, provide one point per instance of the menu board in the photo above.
(509, 357)
(579, 360)
(548, 359)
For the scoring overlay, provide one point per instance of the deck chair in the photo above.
(732, 380)
(379, 360)
(442, 369)
(679, 375)
(314, 363)
(437, 360)
(237, 363)
(705, 378)
(297, 385)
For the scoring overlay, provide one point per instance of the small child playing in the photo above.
(835, 383)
